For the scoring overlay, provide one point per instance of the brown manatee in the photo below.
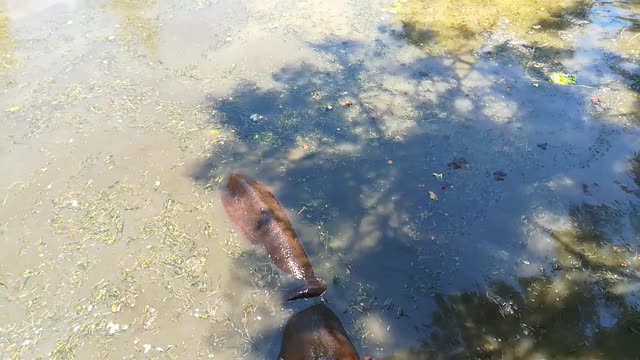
(316, 333)
(256, 212)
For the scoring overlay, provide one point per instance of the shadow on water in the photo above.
(579, 309)
(532, 321)
(528, 249)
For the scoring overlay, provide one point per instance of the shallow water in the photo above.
(121, 118)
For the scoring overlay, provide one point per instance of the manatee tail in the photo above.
(310, 288)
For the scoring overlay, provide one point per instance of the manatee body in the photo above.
(256, 212)
(316, 334)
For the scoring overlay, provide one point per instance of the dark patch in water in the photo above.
(461, 277)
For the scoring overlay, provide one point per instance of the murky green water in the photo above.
(460, 206)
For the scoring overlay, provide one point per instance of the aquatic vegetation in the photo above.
(7, 45)
(456, 27)
(134, 15)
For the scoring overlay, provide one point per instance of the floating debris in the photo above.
(112, 328)
(337, 280)
(150, 316)
(458, 164)
(562, 79)
(433, 196)
(345, 102)
(499, 175)
(256, 117)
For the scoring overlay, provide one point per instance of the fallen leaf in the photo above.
(458, 163)
(14, 109)
(562, 79)
(499, 175)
